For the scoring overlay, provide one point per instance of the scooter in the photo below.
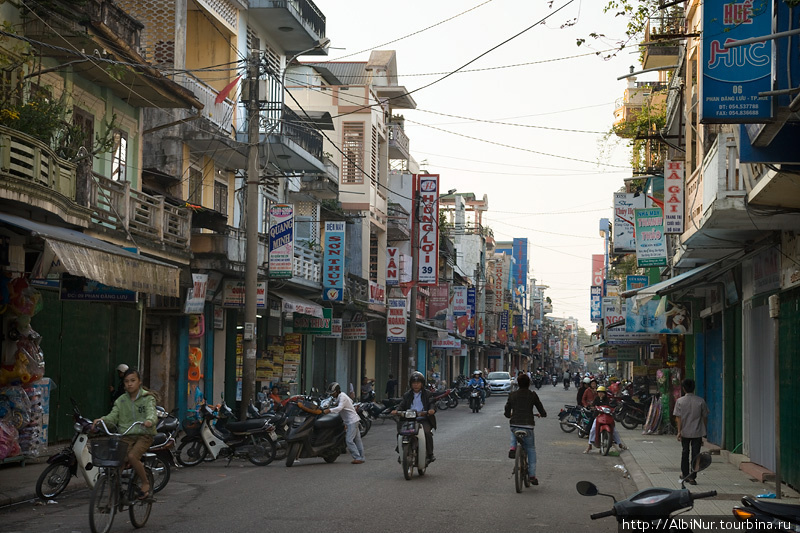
(633, 413)
(779, 516)
(475, 401)
(604, 432)
(312, 434)
(251, 439)
(568, 418)
(651, 508)
(411, 443)
(66, 463)
(554, 379)
(163, 446)
(537, 381)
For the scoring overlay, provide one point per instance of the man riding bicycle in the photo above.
(519, 408)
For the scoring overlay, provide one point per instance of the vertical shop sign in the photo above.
(333, 272)
(624, 205)
(460, 307)
(428, 231)
(471, 312)
(651, 244)
(281, 241)
(392, 267)
(498, 286)
(598, 269)
(596, 297)
(673, 196)
(396, 324)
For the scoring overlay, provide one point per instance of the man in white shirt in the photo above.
(350, 418)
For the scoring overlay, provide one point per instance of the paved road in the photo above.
(469, 488)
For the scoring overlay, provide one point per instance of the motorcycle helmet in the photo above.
(601, 389)
(334, 389)
(122, 368)
(477, 373)
(416, 376)
(587, 380)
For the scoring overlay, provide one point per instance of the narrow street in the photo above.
(468, 488)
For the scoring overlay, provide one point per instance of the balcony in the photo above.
(117, 207)
(398, 142)
(317, 187)
(225, 251)
(397, 226)
(356, 289)
(662, 38)
(307, 267)
(34, 175)
(296, 25)
(377, 208)
(221, 115)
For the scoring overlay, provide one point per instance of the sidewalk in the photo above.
(655, 461)
(18, 483)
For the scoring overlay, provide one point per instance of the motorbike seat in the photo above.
(246, 425)
(328, 421)
(278, 419)
(782, 511)
(159, 439)
(167, 425)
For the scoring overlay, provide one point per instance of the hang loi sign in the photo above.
(427, 193)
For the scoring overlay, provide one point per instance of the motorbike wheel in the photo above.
(262, 452)
(331, 457)
(442, 405)
(53, 481)
(566, 427)
(161, 473)
(291, 455)
(409, 461)
(452, 402)
(281, 448)
(629, 423)
(605, 442)
(364, 424)
(191, 452)
(473, 405)
(619, 413)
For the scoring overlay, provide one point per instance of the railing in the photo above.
(301, 132)
(220, 114)
(667, 26)
(307, 263)
(718, 178)
(24, 157)
(309, 12)
(398, 138)
(358, 288)
(117, 206)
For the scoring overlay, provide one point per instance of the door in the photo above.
(759, 385)
(712, 376)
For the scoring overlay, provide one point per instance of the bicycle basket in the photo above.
(109, 452)
(191, 426)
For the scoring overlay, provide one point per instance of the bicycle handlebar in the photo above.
(111, 433)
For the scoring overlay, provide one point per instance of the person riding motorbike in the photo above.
(478, 381)
(566, 377)
(603, 399)
(420, 399)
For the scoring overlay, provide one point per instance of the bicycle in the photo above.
(521, 459)
(117, 488)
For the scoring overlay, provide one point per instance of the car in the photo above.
(499, 382)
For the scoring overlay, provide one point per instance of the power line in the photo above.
(485, 121)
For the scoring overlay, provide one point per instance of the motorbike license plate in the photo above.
(408, 428)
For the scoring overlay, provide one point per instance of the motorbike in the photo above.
(651, 508)
(164, 443)
(411, 443)
(537, 381)
(631, 413)
(779, 516)
(475, 399)
(312, 434)
(251, 439)
(380, 411)
(67, 462)
(568, 418)
(604, 433)
(554, 379)
(442, 399)
(278, 421)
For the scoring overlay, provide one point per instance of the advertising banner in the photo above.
(377, 293)
(428, 231)
(624, 206)
(196, 298)
(233, 294)
(312, 325)
(612, 312)
(596, 296)
(598, 269)
(448, 343)
(396, 325)
(354, 331)
(460, 301)
(333, 272)
(636, 282)
(733, 77)
(673, 196)
(471, 312)
(336, 330)
(498, 286)
(675, 318)
(439, 301)
(281, 241)
(651, 244)
(392, 266)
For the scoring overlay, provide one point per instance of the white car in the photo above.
(499, 382)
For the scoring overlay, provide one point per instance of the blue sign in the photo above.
(636, 282)
(733, 77)
(504, 320)
(333, 272)
(596, 298)
(471, 312)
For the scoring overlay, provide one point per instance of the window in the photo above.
(119, 156)
(85, 121)
(373, 257)
(195, 195)
(221, 198)
(353, 158)
(375, 173)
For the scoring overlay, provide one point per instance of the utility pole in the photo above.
(412, 327)
(251, 236)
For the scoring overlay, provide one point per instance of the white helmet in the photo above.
(587, 380)
(122, 368)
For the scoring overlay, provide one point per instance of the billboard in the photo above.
(598, 269)
(333, 272)
(596, 298)
(428, 231)
(624, 205)
(281, 241)
(396, 325)
(675, 318)
(651, 244)
(673, 196)
(392, 266)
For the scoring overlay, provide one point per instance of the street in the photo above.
(469, 487)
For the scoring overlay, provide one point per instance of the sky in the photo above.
(549, 185)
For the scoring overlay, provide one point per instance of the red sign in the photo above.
(392, 267)
(598, 269)
(427, 194)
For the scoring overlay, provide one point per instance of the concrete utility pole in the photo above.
(251, 237)
(412, 326)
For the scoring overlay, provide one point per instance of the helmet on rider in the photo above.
(477, 373)
(601, 389)
(416, 376)
(334, 389)
(587, 380)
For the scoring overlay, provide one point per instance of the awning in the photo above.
(79, 254)
(441, 333)
(296, 304)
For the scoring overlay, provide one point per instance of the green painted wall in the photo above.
(789, 361)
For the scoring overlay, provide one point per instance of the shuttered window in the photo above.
(353, 147)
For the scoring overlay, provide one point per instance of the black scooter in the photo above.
(650, 509)
(632, 413)
(781, 516)
(312, 434)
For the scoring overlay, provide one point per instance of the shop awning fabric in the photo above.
(296, 304)
(79, 254)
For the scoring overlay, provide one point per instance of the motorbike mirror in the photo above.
(702, 462)
(586, 488)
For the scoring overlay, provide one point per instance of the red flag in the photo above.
(223, 94)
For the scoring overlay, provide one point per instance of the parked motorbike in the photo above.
(411, 443)
(604, 432)
(163, 447)
(251, 439)
(632, 413)
(69, 461)
(779, 516)
(381, 411)
(278, 419)
(651, 508)
(475, 399)
(442, 400)
(568, 418)
(312, 434)
(554, 379)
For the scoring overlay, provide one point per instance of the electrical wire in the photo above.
(485, 121)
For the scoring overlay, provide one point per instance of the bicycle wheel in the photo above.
(53, 481)
(518, 468)
(103, 504)
(191, 452)
(161, 472)
(139, 510)
(262, 452)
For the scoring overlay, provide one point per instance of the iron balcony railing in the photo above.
(220, 114)
(301, 132)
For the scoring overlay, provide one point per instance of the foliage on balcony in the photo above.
(642, 129)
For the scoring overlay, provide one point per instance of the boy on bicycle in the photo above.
(519, 408)
(137, 405)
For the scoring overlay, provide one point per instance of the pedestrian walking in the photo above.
(691, 415)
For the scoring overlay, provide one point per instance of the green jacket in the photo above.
(126, 411)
